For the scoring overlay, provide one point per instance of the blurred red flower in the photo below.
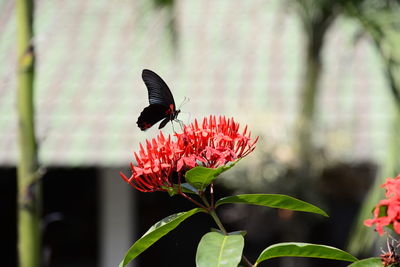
(392, 206)
(213, 143)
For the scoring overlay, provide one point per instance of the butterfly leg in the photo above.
(180, 123)
(173, 129)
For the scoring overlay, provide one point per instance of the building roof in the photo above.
(237, 58)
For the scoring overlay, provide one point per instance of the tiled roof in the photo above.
(238, 58)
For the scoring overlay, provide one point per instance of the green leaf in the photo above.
(273, 201)
(188, 188)
(200, 177)
(155, 232)
(215, 230)
(382, 211)
(242, 232)
(219, 250)
(370, 262)
(293, 249)
(185, 188)
(172, 191)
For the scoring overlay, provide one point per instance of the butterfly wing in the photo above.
(162, 104)
(153, 114)
(158, 90)
(164, 122)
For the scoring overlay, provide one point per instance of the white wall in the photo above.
(116, 215)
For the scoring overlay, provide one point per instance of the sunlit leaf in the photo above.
(188, 188)
(219, 250)
(273, 201)
(370, 262)
(242, 232)
(200, 177)
(155, 232)
(293, 249)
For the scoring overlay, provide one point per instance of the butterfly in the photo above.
(162, 104)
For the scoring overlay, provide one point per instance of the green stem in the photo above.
(218, 221)
(246, 262)
(29, 186)
(203, 197)
(212, 195)
(192, 200)
(211, 211)
(214, 215)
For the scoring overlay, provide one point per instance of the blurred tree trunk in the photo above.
(29, 190)
(381, 23)
(316, 18)
(172, 26)
(308, 91)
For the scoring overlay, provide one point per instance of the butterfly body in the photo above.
(162, 104)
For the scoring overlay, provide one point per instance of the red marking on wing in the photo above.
(170, 110)
(145, 126)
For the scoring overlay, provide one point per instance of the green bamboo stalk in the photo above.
(29, 189)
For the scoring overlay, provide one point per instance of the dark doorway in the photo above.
(69, 217)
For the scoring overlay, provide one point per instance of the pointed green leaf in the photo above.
(370, 262)
(219, 250)
(185, 188)
(216, 230)
(188, 188)
(200, 177)
(172, 191)
(273, 201)
(293, 249)
(155, 232)
(242, 232)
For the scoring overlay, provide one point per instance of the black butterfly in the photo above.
(162, 104)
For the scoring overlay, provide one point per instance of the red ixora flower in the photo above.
(392, 206)
(213, 143)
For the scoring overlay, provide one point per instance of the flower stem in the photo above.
(212, 195)
(214, 215)
(211, 211)
(246, 262)
(202, 196)
(218, 221)
(192, 200)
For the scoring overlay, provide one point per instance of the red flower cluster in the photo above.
(392, 205)
(211, 144)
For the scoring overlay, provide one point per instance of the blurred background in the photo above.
(318, 81)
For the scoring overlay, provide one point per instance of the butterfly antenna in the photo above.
(185, 100)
